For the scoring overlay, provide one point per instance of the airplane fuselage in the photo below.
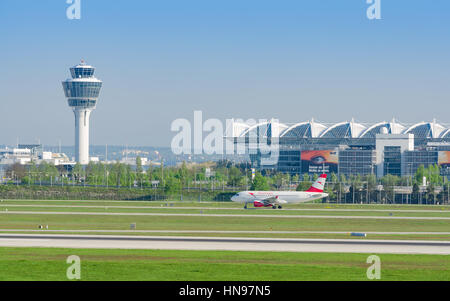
(283, 197)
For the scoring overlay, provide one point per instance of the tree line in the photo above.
(226, 175)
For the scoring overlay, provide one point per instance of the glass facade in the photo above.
(376, 130)
(289, 161)
(302, 131)
(340, 131)
(357, 161)
(392, 160)
(356, 144)
(362, 161)
(446, 134)
(413, 159)
(83, 90)
(421, 131)
(86, 103)
(82, 72)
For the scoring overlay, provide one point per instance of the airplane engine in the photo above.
(260, 204)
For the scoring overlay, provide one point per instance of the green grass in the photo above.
(105, 222)
(177, 203)
(194, 210)
(268, 234)
(50, 264)
(234, 223)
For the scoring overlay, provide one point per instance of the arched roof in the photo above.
(426, 130)
(308, 129)
(265, 129)
(392, 127)
(344, 129)
(445, 134)
(237, 128)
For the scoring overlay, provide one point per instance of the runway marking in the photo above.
(217, 243)
(221, 231)
(223, 208)
(224, 239)
(223, 215)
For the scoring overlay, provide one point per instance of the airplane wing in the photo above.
(272, 201)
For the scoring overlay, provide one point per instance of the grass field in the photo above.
(50, 264)
(206, 210)
(268, 226)
(177, 203)
(111, 264)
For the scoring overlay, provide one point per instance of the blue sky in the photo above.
(161, 60)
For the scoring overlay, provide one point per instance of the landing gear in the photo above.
(274, 207)
(279, 207)
(245, 206)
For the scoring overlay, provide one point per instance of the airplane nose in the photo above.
(233, 198)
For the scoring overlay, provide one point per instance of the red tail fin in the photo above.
(318, 185)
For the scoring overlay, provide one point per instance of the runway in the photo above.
(221, 208)
(232, 244)
(216, 231)
(223, 215)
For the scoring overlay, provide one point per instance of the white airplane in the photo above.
(276, 199)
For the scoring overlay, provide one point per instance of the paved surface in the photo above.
(213, 243)
(218, 231)
(221, 208)
(224, 215)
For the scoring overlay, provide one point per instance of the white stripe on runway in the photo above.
(223, 215)
(220, 231)
(223, 208)
(235, 244)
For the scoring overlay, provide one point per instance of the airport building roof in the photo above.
(345, 129)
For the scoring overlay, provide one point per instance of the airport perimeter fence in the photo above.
(69, 192)
(222, 194)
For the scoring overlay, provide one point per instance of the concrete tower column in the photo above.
(82, 135)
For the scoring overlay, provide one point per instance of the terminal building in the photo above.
(348, 148)
(25, 154)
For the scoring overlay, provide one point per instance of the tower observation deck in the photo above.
(82, 91)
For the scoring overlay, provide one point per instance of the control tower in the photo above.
(82, 91)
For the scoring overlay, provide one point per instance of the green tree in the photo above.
(415, 194)
(172, 185)
(139, 171)
(420, 173)
(259, 183)
(305, 183)
(389, 182)
(431, 194)
(77, 172)
(434, 174)
(235, 176)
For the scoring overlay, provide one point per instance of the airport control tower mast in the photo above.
(82, 92)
